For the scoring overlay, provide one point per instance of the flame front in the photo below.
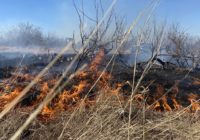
(70, 97)
(77, 90)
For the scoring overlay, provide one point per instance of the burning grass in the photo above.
(165, 106)
(159, 95)
(68, 98)
(105, 120)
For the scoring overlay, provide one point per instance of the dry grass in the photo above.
(105, 120)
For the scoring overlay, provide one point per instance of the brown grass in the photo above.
(105, 120)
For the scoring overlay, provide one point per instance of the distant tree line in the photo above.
(171, 44)
(159, 39)
(26, 34)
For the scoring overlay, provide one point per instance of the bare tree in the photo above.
(193, 51)
(155, 37)
(104, 37)
(147, 40)
(27, 34)
(177, 45)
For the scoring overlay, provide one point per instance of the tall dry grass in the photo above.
(105, 120)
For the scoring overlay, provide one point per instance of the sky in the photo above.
(59, 16)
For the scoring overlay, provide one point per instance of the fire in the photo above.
(195, 103)
(160, 98)
(97, 60)
(47, 112)
(7, 98)
(68, 98)
(176, 105)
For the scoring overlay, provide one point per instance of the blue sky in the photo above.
(59, 16)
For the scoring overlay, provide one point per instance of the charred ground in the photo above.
(162, 95)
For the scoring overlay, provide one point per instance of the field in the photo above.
(165, 105)
(99, 70)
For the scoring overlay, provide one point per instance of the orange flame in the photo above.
(97, 60)
(75, 91)
(195, 103)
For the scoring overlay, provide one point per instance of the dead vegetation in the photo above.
(107, 102)
(157, 112)
(105, 120)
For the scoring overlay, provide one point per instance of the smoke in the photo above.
(27, 37)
